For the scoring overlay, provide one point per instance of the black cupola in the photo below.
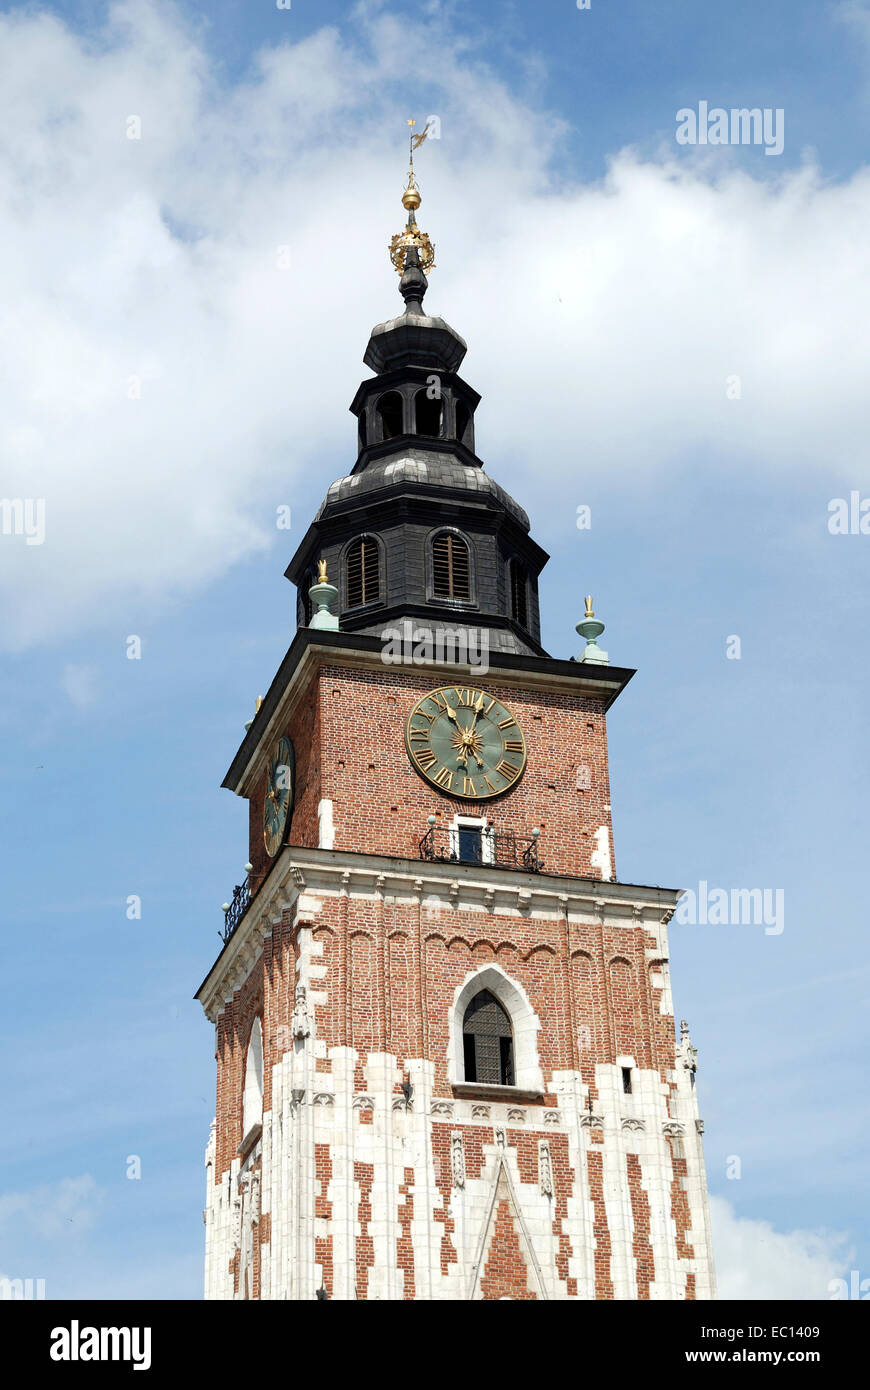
(417, 529)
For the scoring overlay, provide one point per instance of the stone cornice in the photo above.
(299, 874)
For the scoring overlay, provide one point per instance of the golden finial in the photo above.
(321, 572)
(590, 612)
(258, 704)
(402, 242)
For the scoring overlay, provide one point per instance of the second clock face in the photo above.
(465, 742)
(279, 796)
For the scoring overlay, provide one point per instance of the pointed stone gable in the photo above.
(506, 1274)
(506, 1267)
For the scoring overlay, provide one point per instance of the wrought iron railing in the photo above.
(478, 845)
(234, 911)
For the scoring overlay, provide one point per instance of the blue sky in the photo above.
(608, 282)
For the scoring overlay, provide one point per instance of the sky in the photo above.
(195, 205)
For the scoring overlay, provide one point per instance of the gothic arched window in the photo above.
(363, 572)
(519, 594)
(451, 567)
(428, 414)
(390, 415)
(252, 1102)
(487, 1041)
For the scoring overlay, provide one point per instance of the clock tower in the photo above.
(446, 1056)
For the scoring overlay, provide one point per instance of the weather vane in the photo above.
(412, 239)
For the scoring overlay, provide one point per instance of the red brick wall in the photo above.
(381, 803)
(348, 733)
(399, 956)
(505, 1274)
(392, 970)
(268, 993)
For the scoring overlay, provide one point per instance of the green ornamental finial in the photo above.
(323, 595)
(591, 628)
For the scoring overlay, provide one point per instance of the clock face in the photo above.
(465, 743)
(279, 795)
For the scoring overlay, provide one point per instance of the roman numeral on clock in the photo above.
(425, 759)
(508, 771)
(513, 745)
(506, 723)
(444, 779)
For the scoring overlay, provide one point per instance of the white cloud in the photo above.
(602, 319)
(80, 684)
(754, 1261)
(50, 1210)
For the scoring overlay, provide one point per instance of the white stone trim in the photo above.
(326, 825)
(487, 836)
(524, 1023)
(252, 1102)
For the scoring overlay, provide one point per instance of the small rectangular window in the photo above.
(470, 844)
(626, 1080)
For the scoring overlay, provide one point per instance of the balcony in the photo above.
(235, 910)
(481, 845)
(464, 844)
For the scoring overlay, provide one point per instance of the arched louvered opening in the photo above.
(362, 431)
(487, 1041)
(390, 415)
(519, 594)
(451, 567)
(429, 414)
(363, 572)
(463, 422)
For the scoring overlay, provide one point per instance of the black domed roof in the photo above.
(415, 340)
(431, 471)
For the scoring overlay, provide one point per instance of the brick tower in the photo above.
(446, 1056)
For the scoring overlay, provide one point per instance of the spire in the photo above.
(414, 338)
(411, 251)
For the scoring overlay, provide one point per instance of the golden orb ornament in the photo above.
(411, 199)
